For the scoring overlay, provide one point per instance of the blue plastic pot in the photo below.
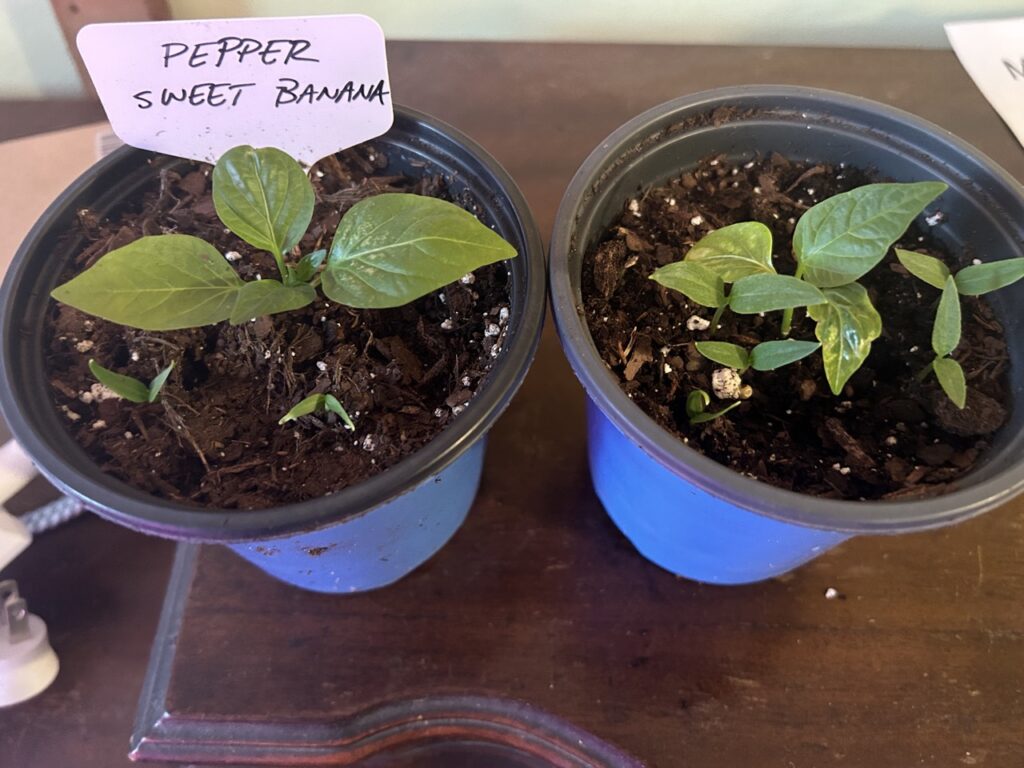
(682, 510)
(362, 537)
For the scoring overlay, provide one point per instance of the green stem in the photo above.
(281, 267)
(716, 318)
(923, 373)
(787, 314)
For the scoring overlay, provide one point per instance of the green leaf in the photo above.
(158, 283)
(722, 352)
(843, 237)
(332, 404)
(696, 402)
(951, 379)
(268, 297)
(847, 324)
(124, 386)
(308, 265)
(158, 383)
(700, 418)
(924, 267)
(304, 407)
(393, 248)
(946, 331)
(263, 196)
(769, 355)
(982, 278)
(735, 251)
(695, 282)
(767, 293)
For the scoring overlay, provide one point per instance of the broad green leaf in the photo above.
(843, 237)
(847, 324)
(268, 297)
(263, 196)
(735, 251)
(308, 265)
(331, 404)
(158, 283)
(722, 352)
(695, 282)
(704, 416)
(769, 355)
(696, 402)
(946, 331)
(124, 386)
(304, 407)
(158, 383)
(924, 267)
(393, 248)
(768, 293)
(951, 379)
(982, 278)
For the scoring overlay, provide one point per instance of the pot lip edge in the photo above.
(182, 522)
(846, 516)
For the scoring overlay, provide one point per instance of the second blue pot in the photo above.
(682, 510)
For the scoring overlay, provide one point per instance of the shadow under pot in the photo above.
(682, 509)
(365, 535)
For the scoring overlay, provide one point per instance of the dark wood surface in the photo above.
(538, 598)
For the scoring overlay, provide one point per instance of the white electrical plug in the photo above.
(27, 662)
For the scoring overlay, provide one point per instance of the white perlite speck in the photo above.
(697, 220)
(634, 208)
(99, 424)
(232, 255)
(369, 443)
(891, 440)
(97, 393)
(84, 346)
(439, 413)
(697, 323)
(976, 262)
(321, 365)
(492, 330)
(446, 324)
(831, 593)
(727, 384)
(468, 279)
(935, 219)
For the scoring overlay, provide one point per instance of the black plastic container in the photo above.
(373, 532)
(683, 510)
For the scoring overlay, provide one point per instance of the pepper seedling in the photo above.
(696, 404)
(128, 387)
(766, 356)
(835, 243)
(318, 402)
(969, 281)
(388, 250)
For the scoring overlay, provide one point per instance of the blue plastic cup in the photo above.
(362, 537)
(682, 510)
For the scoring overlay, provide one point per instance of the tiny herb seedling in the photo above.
(128, 387)
(388, 250)
(969, 281)
(318, 402)
(696, 403)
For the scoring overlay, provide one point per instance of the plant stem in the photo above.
(787, 314)
(923, 373)
(716, 318)
(280, 264)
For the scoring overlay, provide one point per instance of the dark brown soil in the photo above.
(886, 436)
(213, 439)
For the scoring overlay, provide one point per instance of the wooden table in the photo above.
(921, 661)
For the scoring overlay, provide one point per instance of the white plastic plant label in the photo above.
(308, 85)
(992, 52)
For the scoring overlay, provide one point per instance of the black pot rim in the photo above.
(133, 508)
(687, 463)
